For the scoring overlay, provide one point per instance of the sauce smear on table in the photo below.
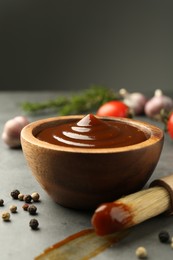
(80, 246)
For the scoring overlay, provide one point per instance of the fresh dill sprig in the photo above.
(86, 101)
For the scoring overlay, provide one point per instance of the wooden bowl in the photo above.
(83, 178)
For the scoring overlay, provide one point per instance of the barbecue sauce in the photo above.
(111, 217)
(92, 132)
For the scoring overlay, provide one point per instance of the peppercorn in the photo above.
(25, 206)
(5, 216)
(164, 237)
(35, 196)
(14, 194)
(27, 198)
(13, 208)
(1, 202)
(34, 223)
(141, 252)
(32, 209)
(21, 196)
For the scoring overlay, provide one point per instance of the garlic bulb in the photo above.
(12, 130)
(135, 101)
(158, 102)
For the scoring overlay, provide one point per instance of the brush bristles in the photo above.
(146, 204)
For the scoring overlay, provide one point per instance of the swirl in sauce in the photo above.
(91, 132)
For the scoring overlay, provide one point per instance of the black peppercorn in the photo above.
(1, 202)
(27, 198)
(164, 237)
(14, 194)
(32, 209)
(34, 223)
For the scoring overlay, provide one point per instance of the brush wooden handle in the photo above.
(135, 208)
(167, 183)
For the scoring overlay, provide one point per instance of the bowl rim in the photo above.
(155, 134)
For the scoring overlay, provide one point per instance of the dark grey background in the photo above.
(70, 44)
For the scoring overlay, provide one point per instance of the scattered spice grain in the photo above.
(27, 198)
(21, 196)
(14, 194)
(164, 237)
(172, 245)
(32, 209)
(25, 206)
(35, 196)
(5, 216)
(13, 208)
(34, 224)
(1, 202)
(141, 252)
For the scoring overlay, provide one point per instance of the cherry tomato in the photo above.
(170, 125)
(113, 108)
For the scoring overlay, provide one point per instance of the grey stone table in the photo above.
(18, 241)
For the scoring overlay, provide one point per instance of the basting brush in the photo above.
(134, 208)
